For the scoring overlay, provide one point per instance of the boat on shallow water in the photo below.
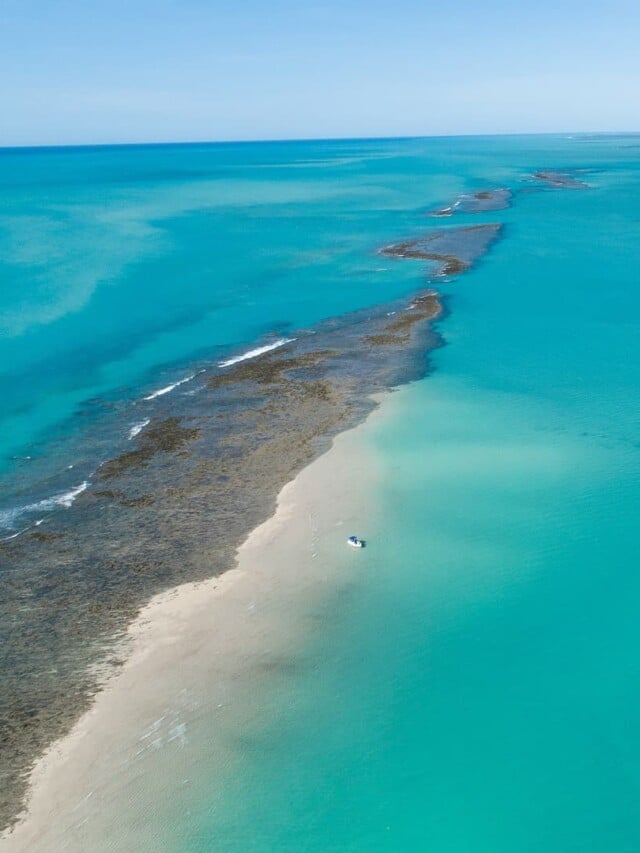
(355, 542)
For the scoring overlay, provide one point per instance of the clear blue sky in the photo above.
(74, 71)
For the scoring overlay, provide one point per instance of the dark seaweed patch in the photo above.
(166, 436)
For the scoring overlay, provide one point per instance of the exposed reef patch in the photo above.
(453, 250)
(398, 330)
(481, 201)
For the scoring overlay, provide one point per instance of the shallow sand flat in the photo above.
(201, 661)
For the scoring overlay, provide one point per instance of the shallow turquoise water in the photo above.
(122, 265)
(479, 687)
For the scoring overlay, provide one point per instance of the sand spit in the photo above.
(196, 657)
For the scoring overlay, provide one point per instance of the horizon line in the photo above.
(302, 139)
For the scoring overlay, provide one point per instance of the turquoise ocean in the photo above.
(479, 689)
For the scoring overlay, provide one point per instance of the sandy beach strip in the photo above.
(199, 659)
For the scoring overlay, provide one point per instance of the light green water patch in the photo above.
(474, 689)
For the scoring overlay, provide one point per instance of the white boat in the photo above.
(355, 542)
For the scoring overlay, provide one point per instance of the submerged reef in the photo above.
(559, 180)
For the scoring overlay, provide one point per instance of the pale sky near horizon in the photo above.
(178, 70)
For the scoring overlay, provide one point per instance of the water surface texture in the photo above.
(478, 688)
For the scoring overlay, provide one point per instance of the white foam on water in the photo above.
(162, 391)
(13, 535)
(67, 498)
(9, 517)
(136, 429)
(254, 353)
